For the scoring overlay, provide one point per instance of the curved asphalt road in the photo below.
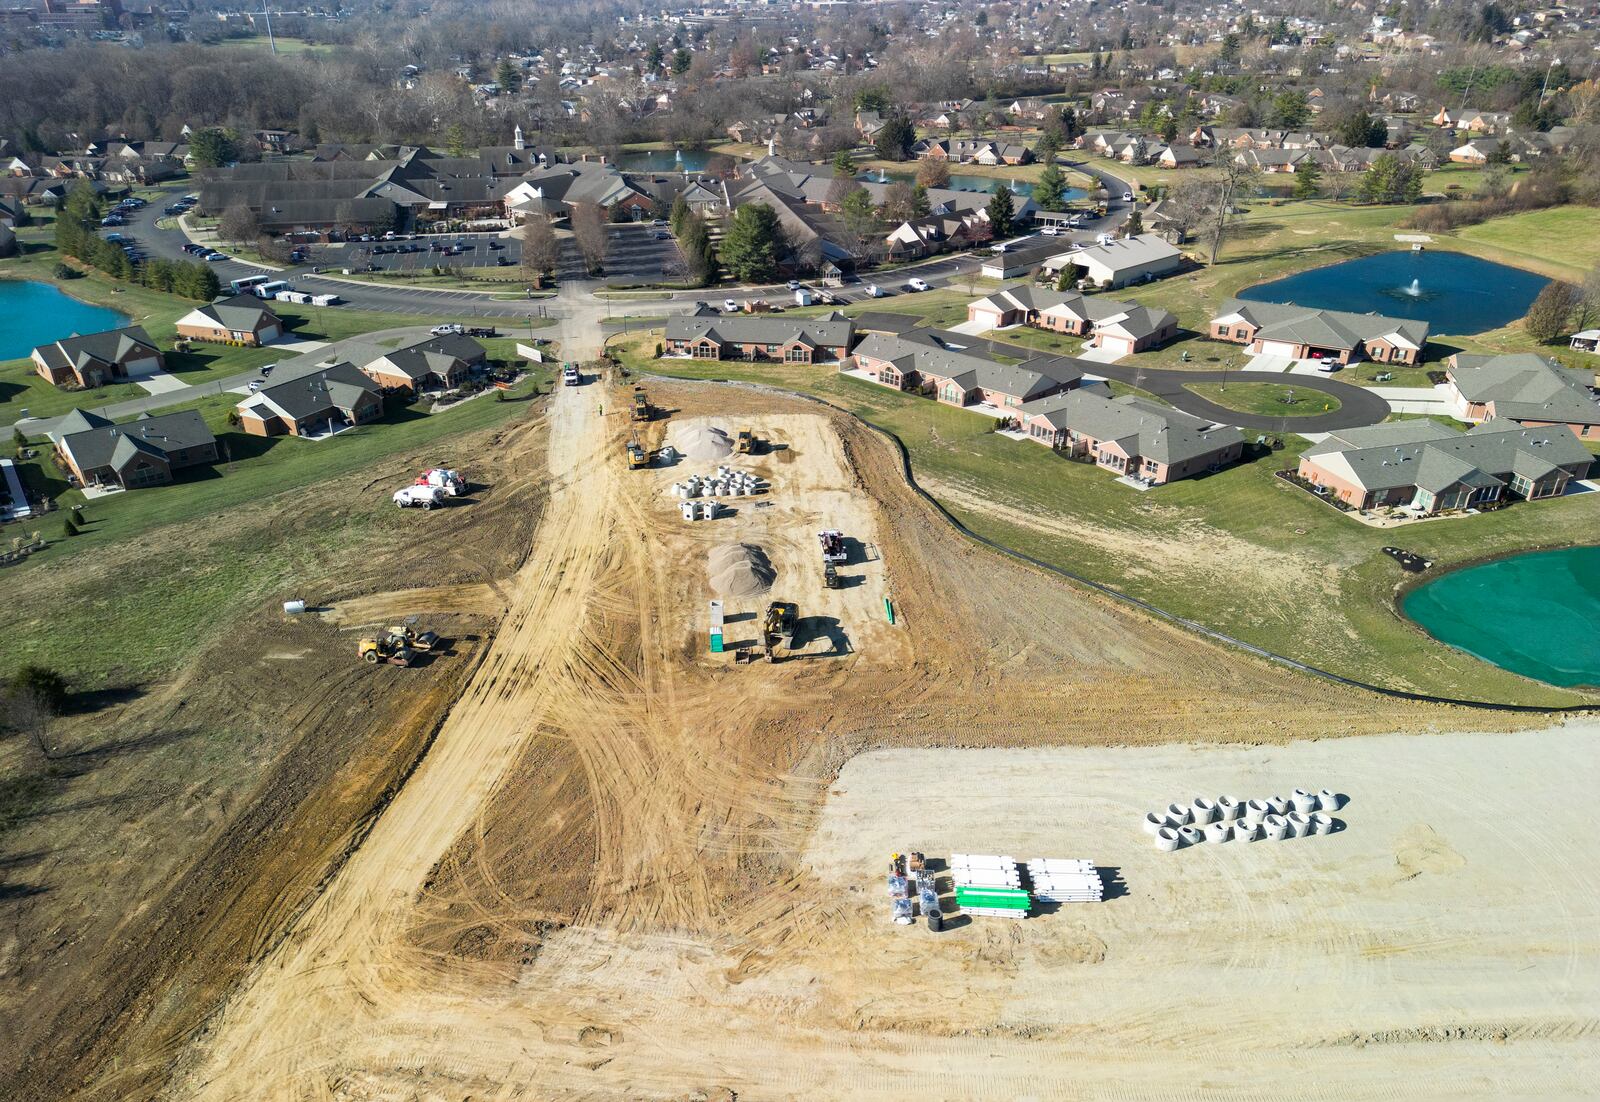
(1358, 406)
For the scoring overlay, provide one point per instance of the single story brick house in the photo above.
(1423, 466)
(960, 370)
(1301, 333)
(708, 335)
(980, 151)
(1123, 326)
(1130, 435)
(138, 453)
(317, 401)
(242, 319)
(437, 363)
(1525, 388)
(95, 359)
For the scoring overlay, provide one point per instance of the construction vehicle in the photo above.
(778, 627)
(830, 576)
(424, 641)
(637, 457)
(419, 497)
(744, 442)
(641, 405)
(832, 541)
(570, 375)
(387, 647)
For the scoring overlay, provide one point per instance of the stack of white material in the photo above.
(1065, 880)
(1226, 818)
(980, 870)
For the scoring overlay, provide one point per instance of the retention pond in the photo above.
(1536, 614)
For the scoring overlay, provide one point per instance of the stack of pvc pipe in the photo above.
(983, 871)
(1063, 880)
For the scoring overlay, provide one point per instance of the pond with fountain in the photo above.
(1452, 292)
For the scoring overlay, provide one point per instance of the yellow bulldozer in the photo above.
(745, 442)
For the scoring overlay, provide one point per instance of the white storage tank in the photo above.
(1229, 809)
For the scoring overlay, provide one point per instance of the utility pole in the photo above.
(271, 41)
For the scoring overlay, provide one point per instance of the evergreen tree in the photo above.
(1306, 177)
(679, 218)
(895, 140)
(919, 201)
(1050, 193)
(1001, 212)
(507, 77)
(753, 243)
(213, 147)
(844, 165)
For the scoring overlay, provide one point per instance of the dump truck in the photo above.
(745, 442)
(637, 457)
(832, 541)
(387, 647)
(778, 627)
(641, 405)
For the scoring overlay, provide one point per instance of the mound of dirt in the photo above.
(739, 570)
(704, 443)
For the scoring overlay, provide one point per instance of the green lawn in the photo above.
(1559, 241)
(1303, 579)
(1272, 399)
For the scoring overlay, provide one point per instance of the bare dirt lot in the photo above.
(598, 882)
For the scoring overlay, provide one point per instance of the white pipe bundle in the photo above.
(1229, 808)
(1153, 822)
(983, 859)
(1178, 814)
(1276, 827)
(1304, 802)
(1246, 831)
(1219, 832)
(1202, 810)
(986, 878)
(1059, 864)
(1167, 839)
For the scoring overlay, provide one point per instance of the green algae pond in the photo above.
(1536, 614)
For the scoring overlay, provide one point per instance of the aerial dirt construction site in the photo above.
(807, 795)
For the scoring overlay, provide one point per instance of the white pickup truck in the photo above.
(570, 376)
(419, 497)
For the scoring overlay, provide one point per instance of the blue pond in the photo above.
(1452, 292)
(32, 314)
(963, 182)
(665, 160)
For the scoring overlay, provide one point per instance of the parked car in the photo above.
(794, 285)
(918, 284)
(1050, 231)
(255, 385)
(874, 291)
(730, 306)
(419, 497)
(663, 235)
(1127, 197)
(448, 329)
(659, 222)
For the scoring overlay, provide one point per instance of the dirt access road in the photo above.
(595, 884)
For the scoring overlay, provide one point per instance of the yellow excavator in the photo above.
(637, 456)
(778, 627)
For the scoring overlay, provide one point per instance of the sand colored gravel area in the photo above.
(701, 442)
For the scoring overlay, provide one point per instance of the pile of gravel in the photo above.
(704, 443)
(739, 570)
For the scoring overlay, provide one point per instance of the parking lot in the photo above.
(634, 250)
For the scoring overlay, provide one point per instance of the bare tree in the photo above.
(541, 252)
(589, 229)
(1229, 185)
(238, 224)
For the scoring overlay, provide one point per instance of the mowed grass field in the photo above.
(285, 45)
(1561, 241)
